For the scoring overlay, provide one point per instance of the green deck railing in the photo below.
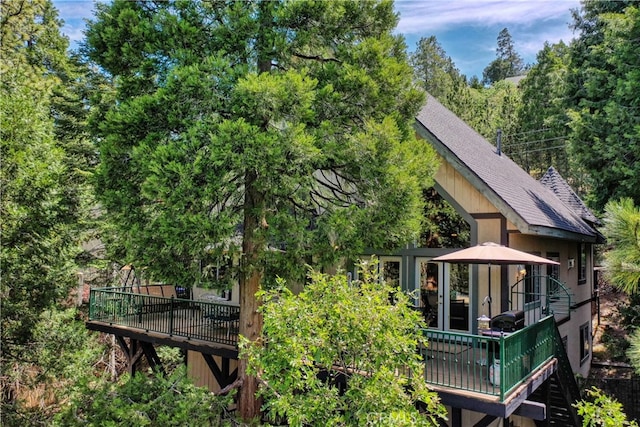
(176, 317)
(467, 362)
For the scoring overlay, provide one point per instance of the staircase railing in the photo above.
(540, 296)
(566, 379)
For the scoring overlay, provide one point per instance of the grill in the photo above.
(508, 321)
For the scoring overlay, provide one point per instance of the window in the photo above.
(582, 263)
(532, 284)
(585, 342)
(390, 268)
(553, 272)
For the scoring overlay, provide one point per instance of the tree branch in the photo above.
(317, 58)
(236, 384)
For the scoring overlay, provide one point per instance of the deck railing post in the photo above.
(171, 311)
(92, 304)
(503, 366)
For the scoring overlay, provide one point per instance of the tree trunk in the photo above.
(253, 244)
(250, 278)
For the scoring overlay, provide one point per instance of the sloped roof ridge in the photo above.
(556, 183)
(523, 195)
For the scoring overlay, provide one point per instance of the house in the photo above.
(501, 203)
(524, 374)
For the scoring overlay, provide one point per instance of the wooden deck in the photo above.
(190, 330)
(457, 365)
(177, 322)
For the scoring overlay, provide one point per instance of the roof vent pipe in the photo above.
(499, 142)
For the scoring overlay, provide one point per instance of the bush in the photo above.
(340, 353)
(602, 411)
(146, 401)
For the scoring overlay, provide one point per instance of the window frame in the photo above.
(585, 342)
(582, 263)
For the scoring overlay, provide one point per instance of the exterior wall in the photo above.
(470, 418)
(470, 199)
(199, 372)
(581, 292)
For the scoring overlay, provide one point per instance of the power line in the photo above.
(537, 150)
(527, 132)
(536, 140)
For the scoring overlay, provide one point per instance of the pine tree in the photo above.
(280, 131)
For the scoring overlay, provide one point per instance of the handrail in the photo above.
(567, 381)
(554, 299)
(178, 317)
(464, 361)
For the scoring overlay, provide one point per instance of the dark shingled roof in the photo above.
(531, 206)
(556, 183)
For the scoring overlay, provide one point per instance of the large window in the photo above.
(585, 342)
(444, 227)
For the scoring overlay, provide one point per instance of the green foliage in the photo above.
(508, 62)
(603, 86)
(630, 311)
(60, 354)
(318, 141)
(622, 230)
(142, 401)
(541, 136)
(633, 352)
(602, 411)
(43, 177)
(172, 357)
(335, 333)
(616, 344)
(494, 108)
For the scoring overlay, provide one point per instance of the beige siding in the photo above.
(568, 275)
(199, 371)
(462, 191)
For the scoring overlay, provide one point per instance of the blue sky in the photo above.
(466, 29)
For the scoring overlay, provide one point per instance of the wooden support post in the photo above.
(152, 357)
(222, 374)
(133, 351)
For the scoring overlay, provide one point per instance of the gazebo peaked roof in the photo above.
(556, 183)
(532, 207)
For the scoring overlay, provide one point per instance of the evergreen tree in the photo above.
(44, 167)
(602, 90)
(45, 164)
(434, 70)
(508, 62)
(278, 130)
(540, 139)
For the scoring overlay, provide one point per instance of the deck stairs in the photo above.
(560, 392)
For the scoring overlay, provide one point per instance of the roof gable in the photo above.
(531, 206)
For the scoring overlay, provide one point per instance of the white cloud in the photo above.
(417, 16)
(74, 13)
(74, 9)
